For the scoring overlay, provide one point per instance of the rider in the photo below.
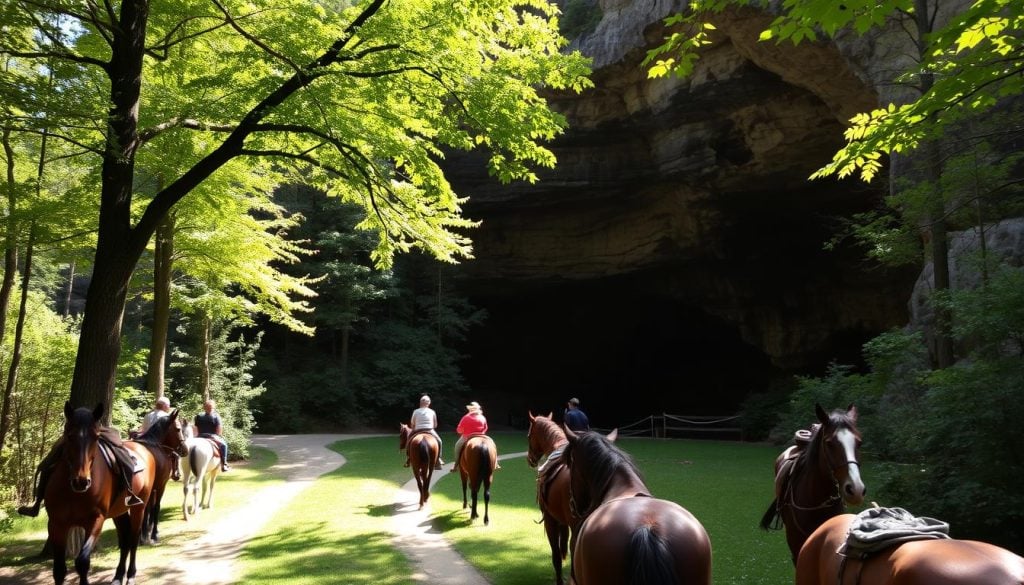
(161, 408)
(472, 423)
(209, 426)
(109, 437)
(425, 419)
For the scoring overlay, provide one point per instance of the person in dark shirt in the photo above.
(209, 426)
(575, 419)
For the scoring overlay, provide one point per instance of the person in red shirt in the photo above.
(472, 423)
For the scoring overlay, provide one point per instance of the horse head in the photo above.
(839, 451)
(174, 436)
(403, 436)
(81, 443)
(593, 460)
(535, 437)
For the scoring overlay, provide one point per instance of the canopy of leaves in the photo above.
(975, 60)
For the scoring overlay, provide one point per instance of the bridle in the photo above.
(834, 498)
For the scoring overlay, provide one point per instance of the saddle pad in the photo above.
(877, 528)
(552, 458)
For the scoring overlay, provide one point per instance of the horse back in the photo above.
(919, 562)
(642, 540)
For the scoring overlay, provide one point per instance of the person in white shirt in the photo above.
(161, 408)
(425, 419)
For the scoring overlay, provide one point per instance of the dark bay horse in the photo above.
(814, 481)
(547, 439)
(83, 491)
(919, 562)
(424, 453)
(163, 438)
(627, 536)
(476, 465)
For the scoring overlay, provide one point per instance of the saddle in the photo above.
(120, 457)
(877, 529)
(546, 473)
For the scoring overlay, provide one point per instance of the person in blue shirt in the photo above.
(575, 419)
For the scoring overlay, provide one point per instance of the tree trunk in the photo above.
(70, 289)
(11, 237)
(118, 248)
(19, 330)
(204, 356)
(162, 264)
(943, 357)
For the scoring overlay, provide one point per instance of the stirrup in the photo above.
(133, 500)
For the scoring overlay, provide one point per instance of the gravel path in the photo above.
(211, 558)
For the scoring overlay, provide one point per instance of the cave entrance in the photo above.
(624, 353)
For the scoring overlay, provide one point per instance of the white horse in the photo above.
(200, 468)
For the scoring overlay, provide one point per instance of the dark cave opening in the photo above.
(624, 352)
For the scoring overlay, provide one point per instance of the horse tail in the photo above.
(424, 450)
(485, 462)
(193, 463)
(649, 560)
(771, 519)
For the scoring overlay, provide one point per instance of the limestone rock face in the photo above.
(690, 196)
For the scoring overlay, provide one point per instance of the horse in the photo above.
(546, 439)
(424, 453)
(627, 535)
(199, 469)
(814, 482)
(476, 465)
(83, 491)
(162, 438)
(918, 562)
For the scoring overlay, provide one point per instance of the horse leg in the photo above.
(153, 514)
(59, 543)
(123, 525)
(82, 559)
(475, 488)
(487, 500)
(553, 530)
(212, 481)
(463, 474)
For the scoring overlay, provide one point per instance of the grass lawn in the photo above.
(726, 485)
(338, 530)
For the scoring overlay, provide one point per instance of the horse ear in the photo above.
(613, 435)
(851, 411)
(174, 414)
(820, 412)
(569, 434)
(551, 415)
(530, 414)
(67, 409)
(97, 413)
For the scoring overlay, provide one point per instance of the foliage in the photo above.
(580, 17)
(976, 60)
(232, 357)
(48, 356)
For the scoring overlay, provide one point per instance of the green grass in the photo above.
(338, 530)
(726, 485)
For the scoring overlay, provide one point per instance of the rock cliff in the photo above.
(676, 254)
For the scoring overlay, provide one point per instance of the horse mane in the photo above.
(550, 431)
(837, 419)
(155, 433)
(604, 462)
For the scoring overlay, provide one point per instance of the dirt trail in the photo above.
(211, 558)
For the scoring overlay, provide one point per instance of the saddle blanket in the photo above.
(877, 528)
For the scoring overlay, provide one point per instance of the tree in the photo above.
(364, 98)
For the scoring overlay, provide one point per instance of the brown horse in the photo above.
(424, 453)
(476, 465)
(814, 480)
(546, 439)
(919, 562)
(164, 437)
(83, 491)
(628, 536)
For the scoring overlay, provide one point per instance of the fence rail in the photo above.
(680, 425)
